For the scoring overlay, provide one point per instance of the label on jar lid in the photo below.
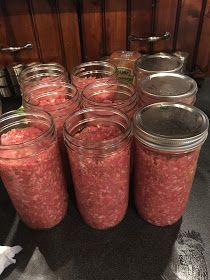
(125, 74)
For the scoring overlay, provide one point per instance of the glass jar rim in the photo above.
(130, 98)
(17, 113)
(89, 145)
(166, 142)
(76, 70)
(42, 66)
(73, 95)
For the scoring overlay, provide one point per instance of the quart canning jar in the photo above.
(99, 154)
(58, 99)
(119, 95)
(168, 87)
(168, 138)
(30, 168)
(89, 72)
(150, 64)
(41, 73)
(125, 63)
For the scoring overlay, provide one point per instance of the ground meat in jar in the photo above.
(58, 105)
(30, 85)
(35, 184)
(81, 83)
(162, 183)
(112, 99)
(101, 183)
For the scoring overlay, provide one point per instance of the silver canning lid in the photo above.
(170, 85)
(159, 63)
(171, 126)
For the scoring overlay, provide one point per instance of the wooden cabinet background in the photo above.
(71, 31)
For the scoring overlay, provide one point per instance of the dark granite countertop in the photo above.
(133, 250)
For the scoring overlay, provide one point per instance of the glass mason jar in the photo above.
(98, 141)
(119, 95)
(150, 64)
(58, 99)
(87, 73)
(167, 87)
(125, 62)
(30, 168)
(41, 73)
(168, 138)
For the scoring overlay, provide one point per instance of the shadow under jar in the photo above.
(119, 95)
(167, 87)
(168, 138)
(37, 74)
(58, 99)
(30, 168)
(98, 142)
(90, 72)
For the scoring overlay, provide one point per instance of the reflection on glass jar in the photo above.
(58, 99)
(119, 95)
(90, 72)
(37, 74)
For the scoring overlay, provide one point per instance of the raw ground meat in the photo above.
(81, 83)
(58, 105)
(18, 136)
(162, 183)
(35, 184)
(113, 99)
(101, 183)
(98, 133)
(30, 85)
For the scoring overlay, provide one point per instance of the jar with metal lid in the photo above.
(98, 142)
(168, 138)
(119, 95)
(125, 62)
(41, 73)
(169, 87)
(150, 64)
(90, 72)
(31, 169)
